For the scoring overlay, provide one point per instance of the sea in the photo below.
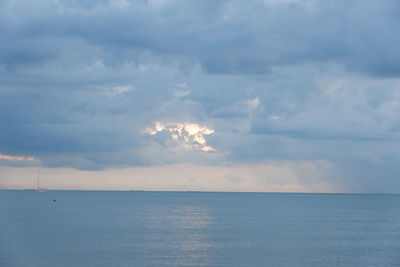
(112, 229)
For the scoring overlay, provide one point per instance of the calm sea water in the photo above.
(83, 229)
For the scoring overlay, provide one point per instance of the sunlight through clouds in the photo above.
(190, 134)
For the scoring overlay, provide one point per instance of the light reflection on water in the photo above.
(183, 232)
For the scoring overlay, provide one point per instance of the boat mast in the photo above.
(38, 179)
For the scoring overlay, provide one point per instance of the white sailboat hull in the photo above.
(40, 190)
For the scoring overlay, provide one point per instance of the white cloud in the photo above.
(190, 135)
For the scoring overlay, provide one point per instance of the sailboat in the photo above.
(38, 188)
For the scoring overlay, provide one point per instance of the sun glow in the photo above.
(191, 134)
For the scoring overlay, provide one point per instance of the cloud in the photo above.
(281, 80)
(341, 107)
(224, 37)
(190, 135)
(244, 108)
(18, 158)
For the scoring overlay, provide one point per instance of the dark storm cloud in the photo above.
(224, 36)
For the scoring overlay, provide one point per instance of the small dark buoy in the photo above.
(54, 200)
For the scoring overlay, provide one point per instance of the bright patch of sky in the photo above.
(18, 158)
(191, 135)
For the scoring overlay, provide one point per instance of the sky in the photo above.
(258, 95)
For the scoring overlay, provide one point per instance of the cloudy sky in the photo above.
(230, 95)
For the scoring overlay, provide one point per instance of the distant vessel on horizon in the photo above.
(38, 188)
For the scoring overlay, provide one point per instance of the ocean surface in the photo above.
(89, 228)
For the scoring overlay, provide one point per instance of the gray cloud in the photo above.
(224, 36)
(276, 80)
